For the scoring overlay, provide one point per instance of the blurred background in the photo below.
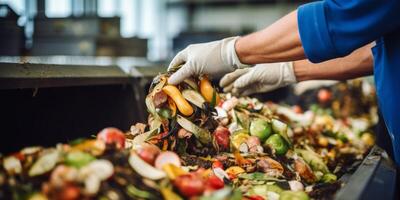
(69, 68)
(151, 30)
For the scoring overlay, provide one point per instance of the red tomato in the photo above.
(112, 136)
(255, 197)
(69, 192)
(19, 156)
(220, 103)
(215, 183)
(190, 185)
(324, 95)
(217, 164)
(221, 135)
(297, 109)
(148, 152)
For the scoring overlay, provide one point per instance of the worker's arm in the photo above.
(276, 43)
(357, 64)
(267, 77)
(321, 31)
(318, 31)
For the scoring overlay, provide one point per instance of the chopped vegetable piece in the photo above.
(134, 192)
(168, 194)
(234, 170)
(183, 106)
(164, 113)
(190, 185)
(172, 171)
(78, 159)
(148, 152)
(277, 143)
(290, 195)
(217, 164)
(281, 128)
(313, 159)
(112, 136)
(45, 163)
(261, 129)
(194, 97)
(144, 169)
(324, 95)
(167, 157)
(221, 135)
(238, 139)
(215, 183)
(207, 90)
(94, 147)
(202, 134)
(329, 178)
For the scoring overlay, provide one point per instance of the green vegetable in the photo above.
(263, 190)
(277, 142)
(78, 159)
(313, 159)
(291, 195)
(45, 163)
(260, 128)
(241, 119)
(342, 137)
(214, 99)
(134, 192)
(329, 178)
(224, 193)
(274, 188)
(281, 129)
(203, 135)
(259, 176)
(168, 194)
(165, 113)
(314, 108)
(76, 141)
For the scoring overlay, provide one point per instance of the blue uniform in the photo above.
(334, 28)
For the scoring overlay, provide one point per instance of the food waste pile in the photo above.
(201, 144)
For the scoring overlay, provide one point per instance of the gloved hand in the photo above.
(212, 58)
(260, 78)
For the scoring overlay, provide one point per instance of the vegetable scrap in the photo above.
(201, 144)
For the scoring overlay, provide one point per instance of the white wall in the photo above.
(231, 18)
(226, 18)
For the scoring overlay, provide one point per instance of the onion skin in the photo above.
(183, 106)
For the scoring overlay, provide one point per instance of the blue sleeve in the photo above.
(334, 28)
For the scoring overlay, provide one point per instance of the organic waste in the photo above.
(201, 144)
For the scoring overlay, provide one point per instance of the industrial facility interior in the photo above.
(71, 68)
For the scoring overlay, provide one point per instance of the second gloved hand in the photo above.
(260, 78)
(212, 58)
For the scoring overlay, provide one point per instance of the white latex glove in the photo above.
(260, 78)
(212, 58)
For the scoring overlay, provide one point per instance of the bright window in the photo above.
(58, 8)
(17, 5)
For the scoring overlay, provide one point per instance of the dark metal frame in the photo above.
(19, 76)
(375, 178)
